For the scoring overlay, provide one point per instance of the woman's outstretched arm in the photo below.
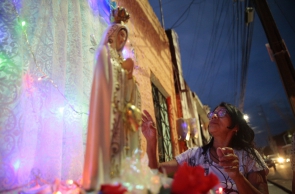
(150, 133)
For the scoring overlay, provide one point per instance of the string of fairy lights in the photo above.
(43, 76)
(57, 186)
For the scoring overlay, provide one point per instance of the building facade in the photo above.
(180, 117)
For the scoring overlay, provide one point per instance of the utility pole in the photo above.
(272, 143)
(284, 117)
(162, 16)
(279, 49)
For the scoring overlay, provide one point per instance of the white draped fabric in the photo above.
(43, 123)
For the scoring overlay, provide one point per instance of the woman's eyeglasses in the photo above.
(220, 113)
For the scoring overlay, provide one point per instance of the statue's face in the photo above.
(121, 39)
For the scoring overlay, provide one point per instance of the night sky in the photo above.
(211, 44)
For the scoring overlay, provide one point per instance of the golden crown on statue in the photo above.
(119, 15)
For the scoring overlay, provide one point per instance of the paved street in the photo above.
(273, 189)
(282, 177)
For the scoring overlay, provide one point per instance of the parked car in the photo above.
(277, 158)
(270, 163)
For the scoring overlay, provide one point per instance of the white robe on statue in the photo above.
(109, 139)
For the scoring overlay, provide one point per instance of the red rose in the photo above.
(112, 189)
(191, 180)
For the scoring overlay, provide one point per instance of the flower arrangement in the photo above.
(192, 180)
(139, 179)
(112, 189)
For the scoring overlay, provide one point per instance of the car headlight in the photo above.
(281, 160)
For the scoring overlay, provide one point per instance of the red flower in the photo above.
(112, 189)
(191, 180)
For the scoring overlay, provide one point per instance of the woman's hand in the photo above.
(256, 182)
(229, 161)
(148, 127)
(150, 133)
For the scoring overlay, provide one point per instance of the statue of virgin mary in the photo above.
(114, 110)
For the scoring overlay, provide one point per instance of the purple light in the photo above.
(100, 7)
(18, 5)
(184, 125)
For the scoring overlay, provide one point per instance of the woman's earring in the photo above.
(236, 133)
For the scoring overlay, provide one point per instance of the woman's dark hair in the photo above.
(244, 138)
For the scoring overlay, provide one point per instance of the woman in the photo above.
(230, 154)
(112, 131)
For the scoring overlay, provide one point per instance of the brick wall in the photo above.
(152, 59)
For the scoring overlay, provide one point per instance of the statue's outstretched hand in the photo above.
(148, 127)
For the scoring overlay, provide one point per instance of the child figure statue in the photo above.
(114, 115)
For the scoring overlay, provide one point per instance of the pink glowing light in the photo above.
(28, 83)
